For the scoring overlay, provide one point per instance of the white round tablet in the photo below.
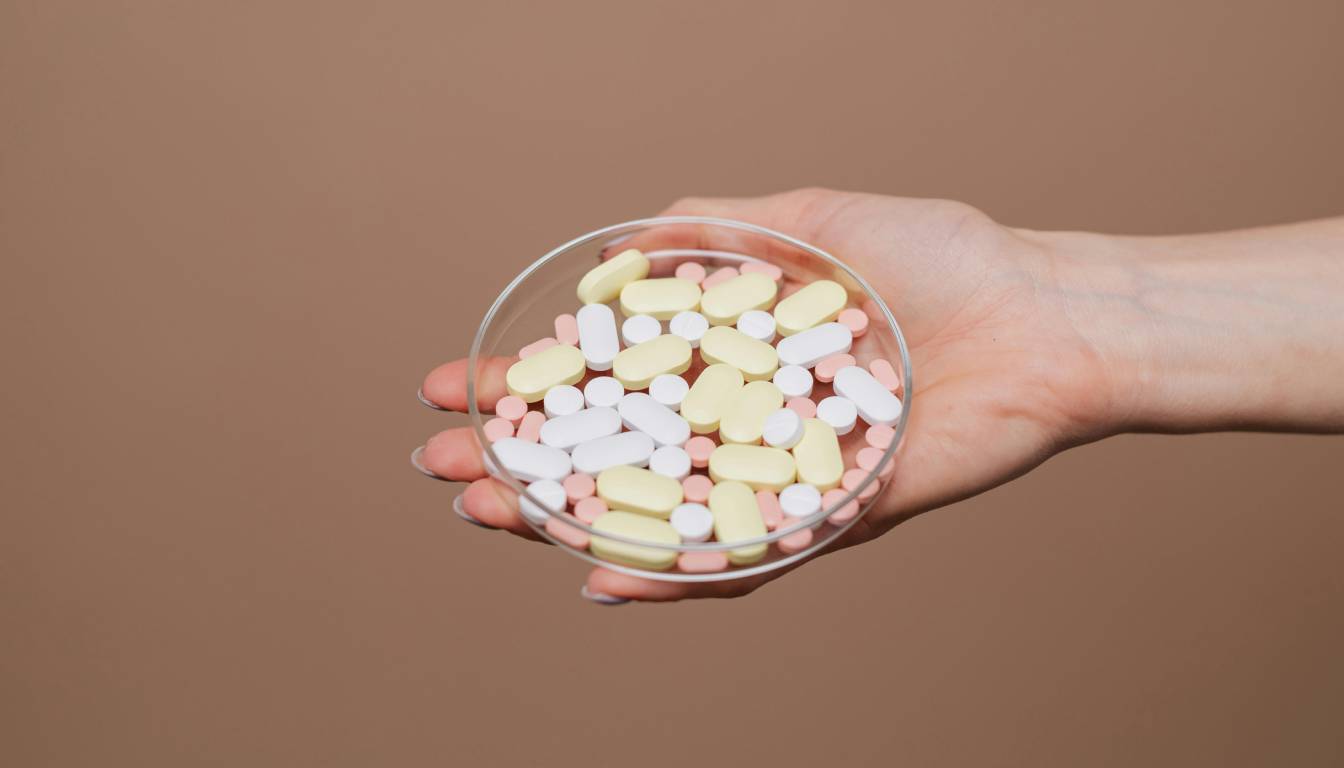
(800, 500)
(670, 461)
(783, 429)
(693, 521)
(563, 400)
(794, 381)
(603, 392)
(549, 493)
(638, 329)
(690, 326)
(669, 389)
(839, 412)
(757, 324)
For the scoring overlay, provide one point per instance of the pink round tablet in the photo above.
(765, 268)
(696, 488)
(853, 478)
(722, 275)
(869, 458)
(885, 374)
(567, 534)
(529, 428)
(768, 503)
(802, 406)
(855, 319)
(880, 436)
(795, 542)
(590, 509)
(843, 514)
(690, 270)
(578, 487)
(699, 448)
(567, 330)
(497, 429)
(702, 562)
(511, 407)
(540, 345)
(829, 366)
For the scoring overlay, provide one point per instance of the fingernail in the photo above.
(417, 462)
(601, 598)
(462, 513)
(420, 395)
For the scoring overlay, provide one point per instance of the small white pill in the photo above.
(693, 521)
(800, 500)
(603, 392)
(669, 389)
(563, 400)
(839, 412)
(758, 325)
(530, 462)
(690, 326)
(625, 449)
(638, 329)
(642, 413)
(875, 403)
(549, 493)
(671, 461)
(794, 381)
(783, 429)
(809, 347)
(565, 432)
(597, 336)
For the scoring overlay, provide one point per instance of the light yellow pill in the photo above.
(636, 366)
(631, 489)
(713, 389)
(605, 281)
(753, 357)
(816, 303)
(725, 302)
(635, 527)
(745, 416)
(662, 297)
(761, 467)
(736, 517)
(531, 377)
(817, 456)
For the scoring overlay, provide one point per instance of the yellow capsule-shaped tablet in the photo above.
(605, 281)
(531, 377)
(759, 466)
(737, 517)
(816, 303)
(636, 366)
(631, 489)
(662, 297)
(713, 389)
(636, 527)
(724, 303)
(746, 413)
(753, 357)
(817, 456)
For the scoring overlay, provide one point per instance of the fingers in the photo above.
(455, 454)
(602, 582)
(496, 505)
(446, 386)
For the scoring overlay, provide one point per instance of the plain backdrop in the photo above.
(235, 235)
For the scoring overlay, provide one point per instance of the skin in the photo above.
(1025, 344)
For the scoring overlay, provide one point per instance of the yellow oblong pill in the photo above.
(817, 456)
(737, 517)
(632, 489)
(531, 377)
(636, 366)
(704, 404)
(605, 281)
(753, 357)
(661, 297)
(761, 467)
(640, 527)
(816, 303)
(745, 416)
(724, 303)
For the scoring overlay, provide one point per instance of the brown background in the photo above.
(235, 237)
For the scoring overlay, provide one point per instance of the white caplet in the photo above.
(757, 324)
(875, 403)
(671, 461)
(839, 412)
(794, 381)
(669, 389)
(565, 432)
(563, 400)
(550, 493)
(627, 448)
(642, 413)
(783, 429)
(603, 392)
(638, 329)
(689, 325)
(809, 347)
(530, 462)
(597, 336)
(693, 521)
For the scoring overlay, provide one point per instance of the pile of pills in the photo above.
(601, 423)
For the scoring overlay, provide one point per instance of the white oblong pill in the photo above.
(631, 449)
(794, 381)
(603, 392)
(565, 432)
(839, 412)
(758, 325)
(530, 462)
(671, 461)
(800, 500)
(563, 400)
(783, 429)
(642, 413)
(875, 404)
(638, 329)
(597, 336)
(689, 325)
(808, 347)
(669, 389)
(693, 521)
(548, 492)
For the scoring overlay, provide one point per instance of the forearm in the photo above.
(1235, 330)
